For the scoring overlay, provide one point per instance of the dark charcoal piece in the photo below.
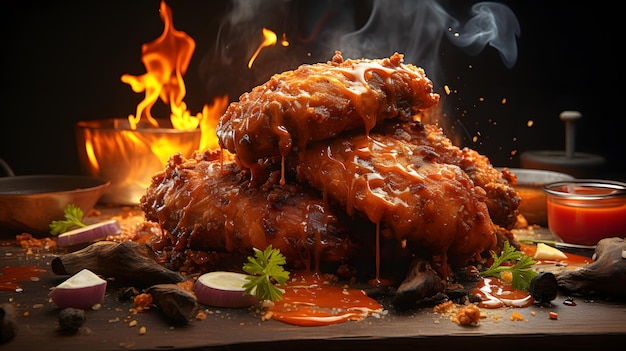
(177, 304)
(422, 283)
(544, 287)
(8, 324)
(71, 319)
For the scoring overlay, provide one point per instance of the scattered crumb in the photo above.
(142, 330)
(444, 307)
(26, 240)
(516, 316)
(142, 302)
(553, 315)
(468, 314)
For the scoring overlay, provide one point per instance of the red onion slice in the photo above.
(82, 290)
(89, 233)
(223, 289)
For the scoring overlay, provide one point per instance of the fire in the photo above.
(166, 60)
(270, 40)
(129, 153)
(211, 115)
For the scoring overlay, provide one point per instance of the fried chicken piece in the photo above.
(426, 205)
(501, 198)
(205, 205)
(319, 101)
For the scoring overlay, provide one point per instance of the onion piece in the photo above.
(223, 289)
(89, 233)
(545, 252)
(82, 290)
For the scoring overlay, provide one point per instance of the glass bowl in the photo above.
(585, 211)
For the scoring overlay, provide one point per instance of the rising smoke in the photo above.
(357, 28)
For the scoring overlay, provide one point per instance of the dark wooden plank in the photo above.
(584, 326)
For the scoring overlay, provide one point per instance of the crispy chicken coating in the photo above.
(427, 205)
(501, 198)
(208, 206)
(319, 101)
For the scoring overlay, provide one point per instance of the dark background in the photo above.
(62, 62)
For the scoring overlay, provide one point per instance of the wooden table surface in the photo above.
(587, 325)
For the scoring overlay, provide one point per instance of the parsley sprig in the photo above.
(266, 271)
(73, 218)
(519, 264)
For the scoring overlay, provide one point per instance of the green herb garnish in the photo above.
(266, 270)
(519, 264)
(73, 218)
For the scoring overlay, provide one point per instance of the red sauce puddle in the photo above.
(495, 293)
(530, 250)
(309, 300)
(10, 276)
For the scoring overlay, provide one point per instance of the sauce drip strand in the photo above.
(310, 300)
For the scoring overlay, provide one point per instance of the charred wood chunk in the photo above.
(125, 261)
(421, 283)
(604, 277)
(177, 304)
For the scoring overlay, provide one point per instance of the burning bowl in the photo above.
(127, 157)
(584, 211)
(30, 203)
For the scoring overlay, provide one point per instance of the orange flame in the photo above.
(270, 40)
(210, 119)
(128, 152)
(166, 60)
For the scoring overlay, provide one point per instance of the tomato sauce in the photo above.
(584, 224)
(10, 276)
(495, 293)
(309, 300)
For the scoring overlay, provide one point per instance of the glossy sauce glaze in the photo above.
(311, 300)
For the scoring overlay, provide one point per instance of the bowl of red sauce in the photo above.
(584, 211)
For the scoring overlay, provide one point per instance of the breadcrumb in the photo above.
(467, 315)
(516, 316)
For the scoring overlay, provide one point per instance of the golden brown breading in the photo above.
(319, 101)
(427, 205)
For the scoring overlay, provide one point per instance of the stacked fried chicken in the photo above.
(331, 164)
